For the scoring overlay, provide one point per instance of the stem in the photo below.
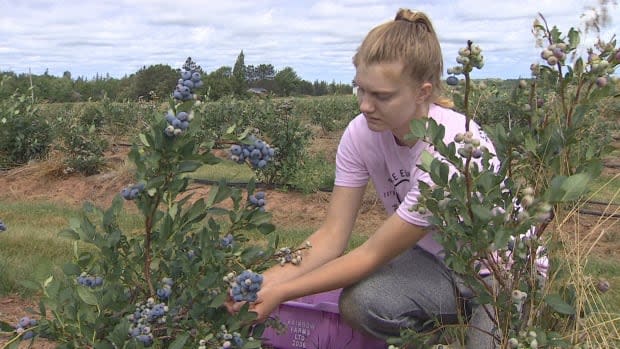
(466, 100)
(560, 77)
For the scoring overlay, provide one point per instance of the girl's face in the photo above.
(390, 100)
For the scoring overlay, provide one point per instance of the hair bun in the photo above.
(415, 17)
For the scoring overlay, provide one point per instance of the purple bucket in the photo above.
(313, 322)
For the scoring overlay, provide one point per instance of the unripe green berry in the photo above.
(552, 60)
(527, 201)
(513, 343)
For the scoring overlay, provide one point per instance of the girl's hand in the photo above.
(234, 307)
(269, 298)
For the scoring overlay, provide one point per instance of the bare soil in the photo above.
(48, 181)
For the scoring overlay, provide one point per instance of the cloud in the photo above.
(316, 38)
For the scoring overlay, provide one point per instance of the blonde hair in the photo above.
(410, 39)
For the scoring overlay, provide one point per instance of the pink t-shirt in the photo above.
(364, 154)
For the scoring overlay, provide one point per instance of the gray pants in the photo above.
(410, 292)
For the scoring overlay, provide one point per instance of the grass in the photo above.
(606, 189)
(226, 169)
(30, 248)
(608, 270)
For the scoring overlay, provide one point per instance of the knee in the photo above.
(353, 305)
(358, 308)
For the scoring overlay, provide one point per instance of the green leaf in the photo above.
(218, 300)
(481, 212)
(559, 305)
(218, 193)
(555, 192)
(501, 237)
(189, 166)
(69, 234)
(439, 172)
(144, 140)
(575, 186)
(87, 296)
(71, 269)
(259, 218)
(252, 344)
(418, 128)
(179, 343)
(426, 160)
(266, 228)
(573, 38)
(29, 284)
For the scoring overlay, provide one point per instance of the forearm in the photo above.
(323, 249)
(338, 273)
(391, 239)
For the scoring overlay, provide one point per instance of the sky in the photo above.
(315, 38)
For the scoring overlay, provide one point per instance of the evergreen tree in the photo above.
(239, 82)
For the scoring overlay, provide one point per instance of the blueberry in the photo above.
(24, 322)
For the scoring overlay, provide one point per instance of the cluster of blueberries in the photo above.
(2, 225)
(177, 124)
(471, 146)
(258, 153)
(190, 80)
(286, 255)
(554, 53)
(165, 291)
(469, 57)
(89, 281)
(227, 241)
(228, 340)
(258, 200)
(23, 325)
(144, 316)
(244, 286)
(131, 192)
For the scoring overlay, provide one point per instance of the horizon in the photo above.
(315, 38)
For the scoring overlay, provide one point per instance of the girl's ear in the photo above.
(425, 92)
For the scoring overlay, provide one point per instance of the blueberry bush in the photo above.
(24, 135)
(165, 285)
(501, 216)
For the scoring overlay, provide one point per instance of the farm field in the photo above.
(38, 184)
(92, 152)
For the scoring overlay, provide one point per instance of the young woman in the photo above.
(397, 278)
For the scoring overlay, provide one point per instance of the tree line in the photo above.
(153, 82)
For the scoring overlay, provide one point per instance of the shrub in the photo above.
(164, 286)
(502, 219)
(24, 135)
